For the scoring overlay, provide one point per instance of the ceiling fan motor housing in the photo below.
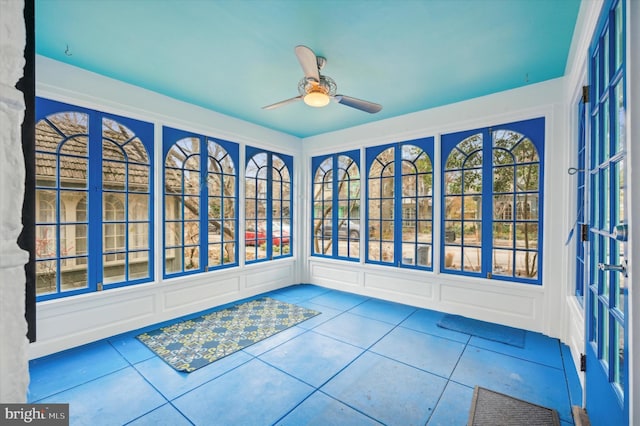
(326, 85)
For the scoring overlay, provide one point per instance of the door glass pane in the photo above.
(619, 38)
(604, 339)
(619, 364)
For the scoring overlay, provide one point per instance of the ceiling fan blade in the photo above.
(365, 106)
(308, 62)
(282, 103)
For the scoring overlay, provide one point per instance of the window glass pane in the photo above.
(46, 241)
(173, 260)
(114, 269)
(73, 172)
(453, 232)
(472, 258)
(619, 36)
(173, 234)
(73, 240)
(503, 235)
(472, 181)
(526, 264)
(138, 265)
(191, 207)
(138, 178)
(138, 236)
(191, 257)
(503, 179)
(502, 262)
(113, 206)
(453, 207)
(452, 258)
(46, 277)
(527, 235)
(472, 233)
(527, 207)
(46, 166)
(113, 176)
(139, 207)
(73, 275)
(453, 183)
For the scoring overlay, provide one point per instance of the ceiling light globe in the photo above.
(316, 99)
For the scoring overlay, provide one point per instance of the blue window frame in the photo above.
(400, 204)
(492, 200)
(268, 205)
(200, 203)
(336, 206)
(94, 213)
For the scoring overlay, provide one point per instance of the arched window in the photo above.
(336, 206)
(200, 203)
(85, 159)
(268, 205)
(490, 220)
(400, 203)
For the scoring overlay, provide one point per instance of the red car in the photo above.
(278, 234)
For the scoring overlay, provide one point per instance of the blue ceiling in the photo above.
(234, 57)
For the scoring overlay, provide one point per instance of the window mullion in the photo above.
(487, 203)
(94, 209)
(397, 205)
(204, 204)
(269, 207)
(335, 206)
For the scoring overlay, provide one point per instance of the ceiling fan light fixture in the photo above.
(316, 99)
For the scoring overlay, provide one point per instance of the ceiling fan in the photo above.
(317, 90)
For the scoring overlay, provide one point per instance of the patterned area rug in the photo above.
(194, 343)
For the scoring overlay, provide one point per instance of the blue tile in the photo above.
(453, 407)
(382, 310)
(426, 321)
(114, 399)
(537, 348)
(166, 415)
(327, 356)
(354, 329)
(326, 313)
(388, 391)
(322, 410)
(131, 348)
(434, 354)
(172, 383)
(573, 381)
(339, 300)
(63, 370)
(273, 341)
(516, 377)
(252, 394)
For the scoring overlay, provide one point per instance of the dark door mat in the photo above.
(486, 330)
(490, 408)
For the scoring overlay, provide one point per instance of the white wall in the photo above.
(13, 327)
(65, 323)
(530, 307)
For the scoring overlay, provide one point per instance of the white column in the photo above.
(14, 374)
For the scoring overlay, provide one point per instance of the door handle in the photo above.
(618, 268)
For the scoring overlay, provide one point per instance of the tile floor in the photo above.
(362, 361)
